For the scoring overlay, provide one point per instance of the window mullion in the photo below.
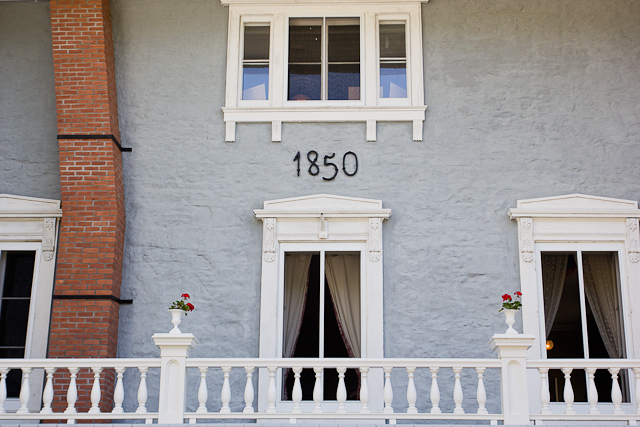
(583, 306)
(322, 297)
(324, 60)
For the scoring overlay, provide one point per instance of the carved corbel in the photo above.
(48, 239)
(269, 239)
(632, 240)
(375, 235)
(526, 237)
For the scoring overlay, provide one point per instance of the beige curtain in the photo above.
(343, 278)
(601, 288)
(296, 284)
(554, 271)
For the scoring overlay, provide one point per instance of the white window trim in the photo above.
(28, 223)
(324, 222)
(570, 222)
(369, 109)
(585, 222)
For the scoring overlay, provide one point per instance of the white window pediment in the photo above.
(318, 224)
(262, 68)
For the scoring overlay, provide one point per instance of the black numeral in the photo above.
(344, 163)
(313, 162)
(297, 159)
(335, 167)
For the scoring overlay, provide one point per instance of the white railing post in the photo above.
(174, 350)
(592, 392)
(636, 372)
(457, 391)
(388, 390)
(545, 396)
(203, 393)
(272, 393)
(364, 390)
(318, 390)
(297, 390)
(118, 393)
(435, 391)
(481, 395)
(512, 351)
(96, 393)
(25, 391)
(142, 391)
(47, 394)
(616, 394)
(341, 393)
(225, 394)
(248, 391)
(412, 395)
(567, 393)
(3, 388)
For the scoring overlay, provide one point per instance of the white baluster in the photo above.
(203, 393)
(272, 393)
(225, 395)
(616, 394)
(341, 393)
(457, 391)
(364, 390)
(25, 391)
(568, 391)
(3, 388)
(545, 396)
(142, 390)
(435, 391)
(96, 393)
(482, 392)
(318, 390)
(296, 395)
(248, 391)
(118, 393)
(592, 392)
(47, 394)
(388, 391)
(412, 395)
(636, 371)
(72, 392)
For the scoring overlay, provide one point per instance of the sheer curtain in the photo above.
(601, 288)
(296, 284)
(554, 270)
(343, 278)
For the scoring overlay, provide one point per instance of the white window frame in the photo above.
(369, 109)
(313, 223)
(31, 224)
(569, 222)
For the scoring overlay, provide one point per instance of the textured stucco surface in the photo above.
(526, 99)
(28, 146)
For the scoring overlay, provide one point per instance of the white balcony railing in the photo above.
(173, 365)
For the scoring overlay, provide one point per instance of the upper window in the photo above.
(290, 58)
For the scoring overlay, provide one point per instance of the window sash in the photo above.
(578, 249)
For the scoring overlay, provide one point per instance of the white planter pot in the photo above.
(176, 318)
(510, 318)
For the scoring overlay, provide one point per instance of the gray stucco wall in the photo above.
(28, 146)
(526, 99)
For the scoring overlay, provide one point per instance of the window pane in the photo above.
(18, 274)
(344, 81)
(305, 44)
(256, 42)
(13, 322)
(392, 41)
(304, 82)
(255, 82)
(344, 43)
(393, 80)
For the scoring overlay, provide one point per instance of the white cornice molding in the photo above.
(318, 205)
(575, 206)
(12, 206)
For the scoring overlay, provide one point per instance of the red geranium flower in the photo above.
(506, 297)
(518, 293)
(186, 296)
(190, 306)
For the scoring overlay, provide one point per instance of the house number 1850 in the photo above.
(314, 168)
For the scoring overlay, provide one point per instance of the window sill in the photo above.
(304, 114)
